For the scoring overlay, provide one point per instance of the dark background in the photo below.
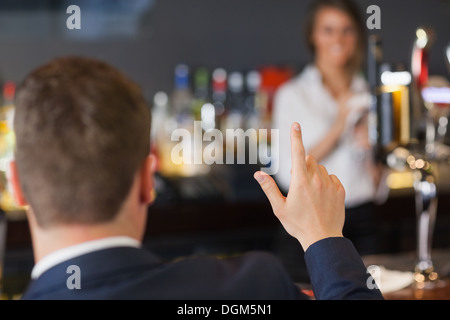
(147, 38)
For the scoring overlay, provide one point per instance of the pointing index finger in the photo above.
(298, 157)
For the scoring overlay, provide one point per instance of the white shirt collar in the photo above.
(58, 256)
(312, 76)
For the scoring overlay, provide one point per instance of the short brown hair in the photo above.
(352, 10)
(82, 131)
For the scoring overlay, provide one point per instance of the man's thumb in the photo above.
(270, 189)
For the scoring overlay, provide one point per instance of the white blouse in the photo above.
(304, 99)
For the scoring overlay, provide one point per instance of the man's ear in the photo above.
(14, 180)
(147, 171)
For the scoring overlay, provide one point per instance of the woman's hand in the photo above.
(329, 142)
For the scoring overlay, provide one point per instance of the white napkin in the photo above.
(389, 280)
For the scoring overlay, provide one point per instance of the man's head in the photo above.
(83, 132)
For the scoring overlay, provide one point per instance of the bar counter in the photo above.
(404, 262)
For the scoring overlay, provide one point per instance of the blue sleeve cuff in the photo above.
(337, 271)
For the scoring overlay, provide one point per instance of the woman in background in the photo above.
(330, 99)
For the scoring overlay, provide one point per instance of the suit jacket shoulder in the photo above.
(335, 269)
(131, 273)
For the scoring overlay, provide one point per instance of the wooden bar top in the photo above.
(406, 262)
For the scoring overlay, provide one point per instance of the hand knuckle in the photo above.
(310, 159)
(317, 181)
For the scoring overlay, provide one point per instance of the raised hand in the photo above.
(314, 207)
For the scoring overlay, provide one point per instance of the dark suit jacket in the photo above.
(335, 269)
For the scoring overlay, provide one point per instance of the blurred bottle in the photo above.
(201, 91)
(235, 101)
(234, 113)
(219, 95)
(420, 57)
(386, 114)
(7, 145)
(396, 85)
(188, 161)
(272, 77)
(389, 115)
(182, 97)
(160, 113)
(163, 124)
(202, 107)
(252, 100)
(374, 60)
